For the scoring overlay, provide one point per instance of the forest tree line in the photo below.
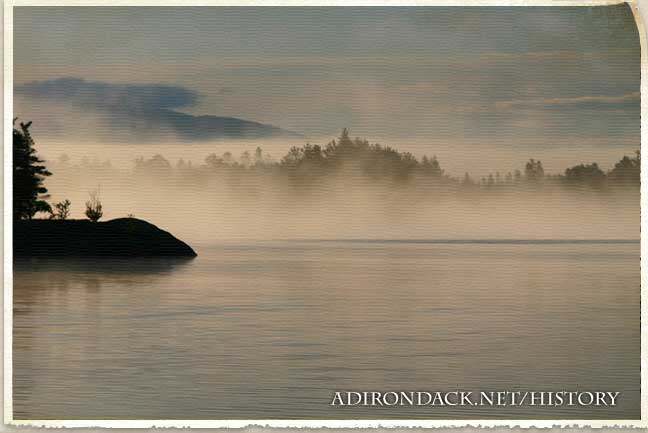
(311, 165)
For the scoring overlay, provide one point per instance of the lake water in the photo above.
(261, 330)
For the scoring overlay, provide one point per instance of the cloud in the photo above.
(226, 91)
(144, 110)
(108, 96)
(589, 101)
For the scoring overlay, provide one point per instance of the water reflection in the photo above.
(270, 330)
(105, 266)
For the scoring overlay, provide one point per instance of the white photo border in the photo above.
(639, 9)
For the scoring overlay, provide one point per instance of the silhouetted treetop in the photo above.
(628, 170)
(360, 156)
(589, 174)
(533, 171)
(29, 173)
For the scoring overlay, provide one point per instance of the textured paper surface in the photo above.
(338, 424)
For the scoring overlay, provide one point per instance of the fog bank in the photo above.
(210, 206)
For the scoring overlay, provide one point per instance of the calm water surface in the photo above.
(271, 329)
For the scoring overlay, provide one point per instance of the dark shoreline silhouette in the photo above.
(122, 237)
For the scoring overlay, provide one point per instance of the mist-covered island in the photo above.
(312, 178)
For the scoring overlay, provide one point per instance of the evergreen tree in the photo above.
(533, 171)
(29, 193)
(589, 174)
(628, 170)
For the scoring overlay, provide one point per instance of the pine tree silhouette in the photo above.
(29, 193)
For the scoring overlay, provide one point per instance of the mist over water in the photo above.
(205, 206)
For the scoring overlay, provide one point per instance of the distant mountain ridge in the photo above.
(147, 111)
(214, 127)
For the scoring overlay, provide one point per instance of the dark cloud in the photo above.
(146, 110)
(100, 95)
(226, 91)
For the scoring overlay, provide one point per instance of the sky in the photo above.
(537, 79)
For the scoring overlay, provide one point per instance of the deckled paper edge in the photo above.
(639, 9)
